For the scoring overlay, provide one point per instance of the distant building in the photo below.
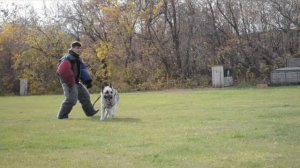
(287, 75)
(221, 78)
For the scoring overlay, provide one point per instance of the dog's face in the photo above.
(110, 99)
(108, 93)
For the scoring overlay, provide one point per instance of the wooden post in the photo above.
(217, 76)
(23, 87)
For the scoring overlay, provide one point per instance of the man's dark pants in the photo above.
(72, 94)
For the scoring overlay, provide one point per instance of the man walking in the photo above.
(73, 75)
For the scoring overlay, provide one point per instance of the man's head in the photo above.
(76, 47)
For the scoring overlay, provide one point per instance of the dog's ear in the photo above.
(110, 85)
(102, 87)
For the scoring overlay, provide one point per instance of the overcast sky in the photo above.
(32, 2)
(38, 4)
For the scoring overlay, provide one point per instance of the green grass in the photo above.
(210, 128)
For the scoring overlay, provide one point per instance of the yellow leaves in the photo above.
(123, 17)
(48, 40)
(112, 13)
(157, 8)
(103, 73)
(9, 30)
(11, 34)
(32, 53)
(17, 61)
(103, 50)
(152, 10)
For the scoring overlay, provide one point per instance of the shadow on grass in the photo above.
(126, 119)
(117, 119)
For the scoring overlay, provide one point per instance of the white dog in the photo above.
(109, 101)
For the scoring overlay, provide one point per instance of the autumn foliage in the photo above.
(148, 45)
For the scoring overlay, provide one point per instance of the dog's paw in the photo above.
(104, 119)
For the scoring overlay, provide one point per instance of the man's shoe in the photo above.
(94, 112)
(62, 117)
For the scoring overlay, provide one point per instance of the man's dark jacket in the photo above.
(71, 70)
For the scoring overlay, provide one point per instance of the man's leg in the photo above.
(85, 100)
(71, 95)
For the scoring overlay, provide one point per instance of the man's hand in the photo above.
(88, 83)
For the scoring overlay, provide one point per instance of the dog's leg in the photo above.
(113, 111)
(102, 113)
(114, 108)
(107, 114)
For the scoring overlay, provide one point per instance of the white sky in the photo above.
(37, 4)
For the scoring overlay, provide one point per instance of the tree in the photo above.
(11, 47)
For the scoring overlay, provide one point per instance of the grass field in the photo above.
(209, 128)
